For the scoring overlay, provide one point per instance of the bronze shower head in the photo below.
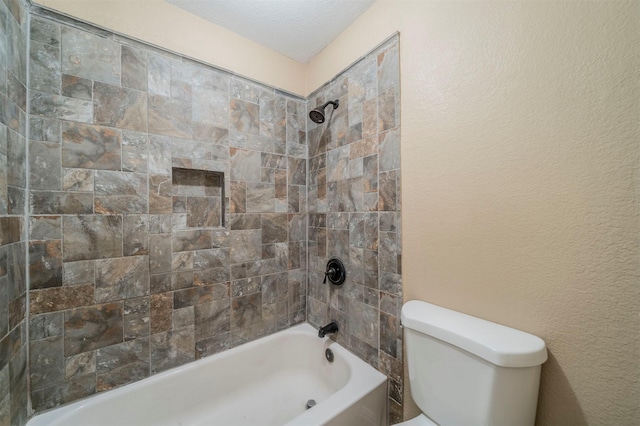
(317, 115)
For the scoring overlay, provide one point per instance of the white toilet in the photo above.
(464, 370)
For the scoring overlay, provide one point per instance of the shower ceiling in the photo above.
(299, 29)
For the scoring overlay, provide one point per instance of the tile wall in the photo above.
(129, 146)
(175, 211)
(13, 245)
(354, 213)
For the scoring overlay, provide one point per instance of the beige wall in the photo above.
(519, 144)
(162, 24)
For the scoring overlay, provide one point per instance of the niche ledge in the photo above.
(198, 198)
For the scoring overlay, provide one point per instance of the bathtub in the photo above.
(264, 382)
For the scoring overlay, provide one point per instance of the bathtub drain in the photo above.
(311, 403)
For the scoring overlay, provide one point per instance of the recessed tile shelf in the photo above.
(198, 197)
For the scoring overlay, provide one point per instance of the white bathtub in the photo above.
(264, 382)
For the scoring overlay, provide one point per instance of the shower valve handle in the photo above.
(331, 272)
(335, 272)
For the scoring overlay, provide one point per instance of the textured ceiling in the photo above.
(299, 29)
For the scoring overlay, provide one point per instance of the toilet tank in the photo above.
(465, 370)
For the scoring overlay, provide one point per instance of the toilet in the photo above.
(465, 370)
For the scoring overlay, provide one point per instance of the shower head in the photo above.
(317, 115)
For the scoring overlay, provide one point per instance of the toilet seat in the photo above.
(421, 420)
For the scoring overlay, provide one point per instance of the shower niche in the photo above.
(198, 198)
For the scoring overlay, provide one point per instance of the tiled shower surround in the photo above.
(176, 211)
(354, 213)
(13, 238)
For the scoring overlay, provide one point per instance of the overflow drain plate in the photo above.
(311, 403)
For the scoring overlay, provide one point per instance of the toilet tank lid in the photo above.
(498, 344)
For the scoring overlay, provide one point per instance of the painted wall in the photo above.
(13, 238)
(162, 24)
(140, 259)
(519, 149)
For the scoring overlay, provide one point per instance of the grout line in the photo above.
(27, 213)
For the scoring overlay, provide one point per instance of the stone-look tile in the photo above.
(192, 296)
(388, 191)
(91, 147)
(212, 319)
(210, 107)
(245, 221)
(191, 240)
(46, 362)
(120, 192)
(159, 155)
(359, 174)
(260, 197)
(390, 150)
(388, 68)
(45, 264)
(246, 246)
(44, 31)
(246, 311)
(94, 327)
(80, 272)
(90, 56)
(245, 116)
(91, 237)
(160, 283)
(45, 228)
(135, 152)
(16, 150)
(160, 311)
(168, 116)
(77, 180)
(172, 348)
(136, 235)
(390, 335)
(121, 278)
(183, 317)
(56, 202)
(46, 325)
(200, 76)
(10, 230)
(134, 68)
(44, 67)
(204, 212)
(387, 109)
(274, 228)
(136, 318)
(77, 87)
(369, 118)
(182, 261)
(79, 365)
(160, 253)
(126, 362)
(44, 129)
(60, 107)
(159, 223)
(213, 258)
(297, 171)
(52, 396)
(238, 198)
(160, 200)
(120, 107)
(245, 165)
(159, 75)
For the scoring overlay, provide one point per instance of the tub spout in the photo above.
(332, 327)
